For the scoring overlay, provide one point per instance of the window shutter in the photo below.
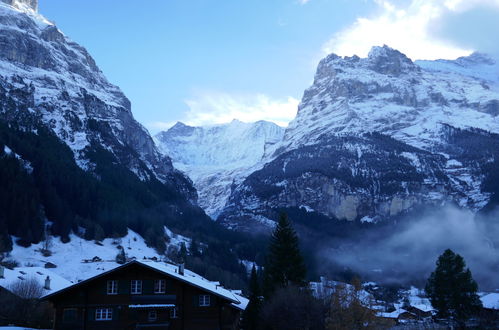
(148, 286)
(91, 314)
(123, 287)
(195, 300)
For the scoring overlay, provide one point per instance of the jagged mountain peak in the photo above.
(215, 156)
(376, 136)
(387, 92)
(386, 60)
(383, 60)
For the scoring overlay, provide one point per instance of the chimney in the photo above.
(2, 271)
(47, 283)
(181, 269)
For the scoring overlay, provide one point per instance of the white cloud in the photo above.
(407, 28)
(303, 2)
(209, 108)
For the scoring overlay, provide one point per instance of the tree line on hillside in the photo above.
(42, 185)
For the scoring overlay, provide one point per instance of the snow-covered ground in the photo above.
(79, 260)
(74, 260)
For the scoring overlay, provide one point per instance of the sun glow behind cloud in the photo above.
(408, 28)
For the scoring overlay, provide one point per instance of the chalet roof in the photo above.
(191, 278)
(11, 276)
(170, 270)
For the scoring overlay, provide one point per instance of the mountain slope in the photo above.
(377, 137)
(46, 77)
(92, 167)
(216, 157)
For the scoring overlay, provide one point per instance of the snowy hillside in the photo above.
(75, 261)
(215, 157)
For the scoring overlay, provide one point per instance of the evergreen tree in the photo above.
(451, 288)
(252, 312)
(194, 248)
(284, 265)
(121, 257)
(182, 254)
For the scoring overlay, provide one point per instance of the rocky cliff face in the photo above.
(375, 137)
(218, 157)
(47, 78)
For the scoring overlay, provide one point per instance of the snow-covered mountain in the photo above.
(375, 137)
(47, 78)
(216, 157)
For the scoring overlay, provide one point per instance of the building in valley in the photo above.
(147, 295)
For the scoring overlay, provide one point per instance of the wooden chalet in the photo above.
(146, 295)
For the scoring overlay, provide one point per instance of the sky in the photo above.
(207, 62)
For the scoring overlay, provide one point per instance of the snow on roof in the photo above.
(193, 279)
(243, 301)
(392, 315)
(189, 277)
(490, 300)
(57, 283)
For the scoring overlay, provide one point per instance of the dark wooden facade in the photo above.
(98, 303)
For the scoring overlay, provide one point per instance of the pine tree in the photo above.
(451, 288)
(252, 312)
(121, 257)
(284, 265)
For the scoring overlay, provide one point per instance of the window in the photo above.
(112, 287)
(153, 316)
(174, 313)
(70, 315)
(204, 300)
(159, 286)
(136, 287)
(103, 314)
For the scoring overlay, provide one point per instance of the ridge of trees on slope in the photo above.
(102, 203)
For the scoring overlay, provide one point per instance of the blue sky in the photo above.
(206, 61)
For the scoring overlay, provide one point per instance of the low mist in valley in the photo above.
(407, 254)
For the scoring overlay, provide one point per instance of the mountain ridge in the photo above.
(217, 156)
(421, 109)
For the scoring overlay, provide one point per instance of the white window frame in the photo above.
(136, 286)
(104, 314)
(112, 287)
(150, 318)
(159, 286)
(204, 300)
(174, 313)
